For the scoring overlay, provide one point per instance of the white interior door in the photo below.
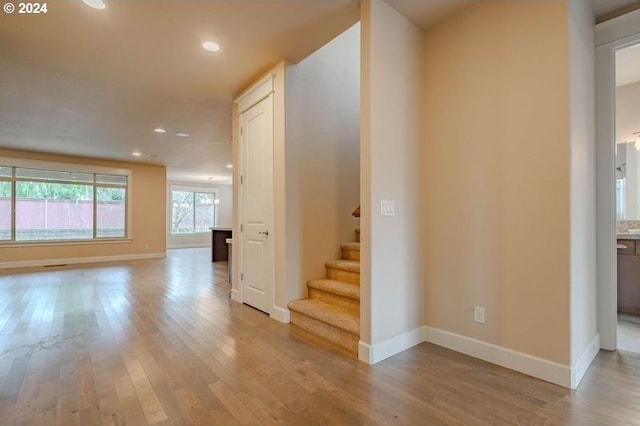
(256, 139)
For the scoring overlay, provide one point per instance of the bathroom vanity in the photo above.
(629, 273)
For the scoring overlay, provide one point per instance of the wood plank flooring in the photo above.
(629, 332)
(158, 342)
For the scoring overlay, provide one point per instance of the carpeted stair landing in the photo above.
(332, 311)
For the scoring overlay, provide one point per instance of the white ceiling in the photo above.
(426, 13)
(97, 82)
(604, 7)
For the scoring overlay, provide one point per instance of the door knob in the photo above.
(265, 233)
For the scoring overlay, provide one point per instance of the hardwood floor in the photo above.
(159, 342)
(629, 332)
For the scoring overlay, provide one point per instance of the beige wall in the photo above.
(322, 158)
(497, 166)
(391, 267)
(148, 197)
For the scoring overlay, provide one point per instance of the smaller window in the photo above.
(192, 211)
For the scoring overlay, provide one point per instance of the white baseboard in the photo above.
(364, 352)
(79, 260)
(533, 366)
(235, 295)
(579, 369)
(188, 245)
(372, 354)
(282, 315)
(277, 313)
(560, 374)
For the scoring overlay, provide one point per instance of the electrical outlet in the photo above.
(478, 314)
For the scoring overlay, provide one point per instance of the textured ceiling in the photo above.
(426, 13)
(97, 82)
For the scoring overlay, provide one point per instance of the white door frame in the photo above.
(252, 96)
(610, 36)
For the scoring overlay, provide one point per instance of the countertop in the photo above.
(628, 236)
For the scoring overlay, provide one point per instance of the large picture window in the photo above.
(57, 205)
(192, 211)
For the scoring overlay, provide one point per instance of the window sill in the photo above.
(64, 243)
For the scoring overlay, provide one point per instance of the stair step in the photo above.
(328, 314)
(328, 322)
(339, 288)
(342, 295)
(343, 270)
(352, 245)
(343, 265)
(351, 251)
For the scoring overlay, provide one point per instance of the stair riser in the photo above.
(342, 275)
(341, 338)
(350, 305)
(350, 254)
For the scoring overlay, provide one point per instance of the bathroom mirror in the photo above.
(628, 151)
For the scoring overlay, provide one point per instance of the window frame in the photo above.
(193, 189)
(17, 163)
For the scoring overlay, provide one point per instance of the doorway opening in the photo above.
(627, 196)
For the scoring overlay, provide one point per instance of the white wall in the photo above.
(224, 209)
(627, 107)
(584, 339)
(391, 281)
(322, 157)
(224, 216)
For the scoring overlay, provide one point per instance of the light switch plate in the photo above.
(387, 208)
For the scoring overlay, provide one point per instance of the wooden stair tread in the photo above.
(327, 314)
(345, 265)
(350, 246)
(340, 288)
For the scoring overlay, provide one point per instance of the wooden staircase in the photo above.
(332, 311)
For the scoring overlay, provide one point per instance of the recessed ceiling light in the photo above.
(211, 46)
(159, 130)
(229, 166)
(96, 4)
(182, 134)
(136, 154)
